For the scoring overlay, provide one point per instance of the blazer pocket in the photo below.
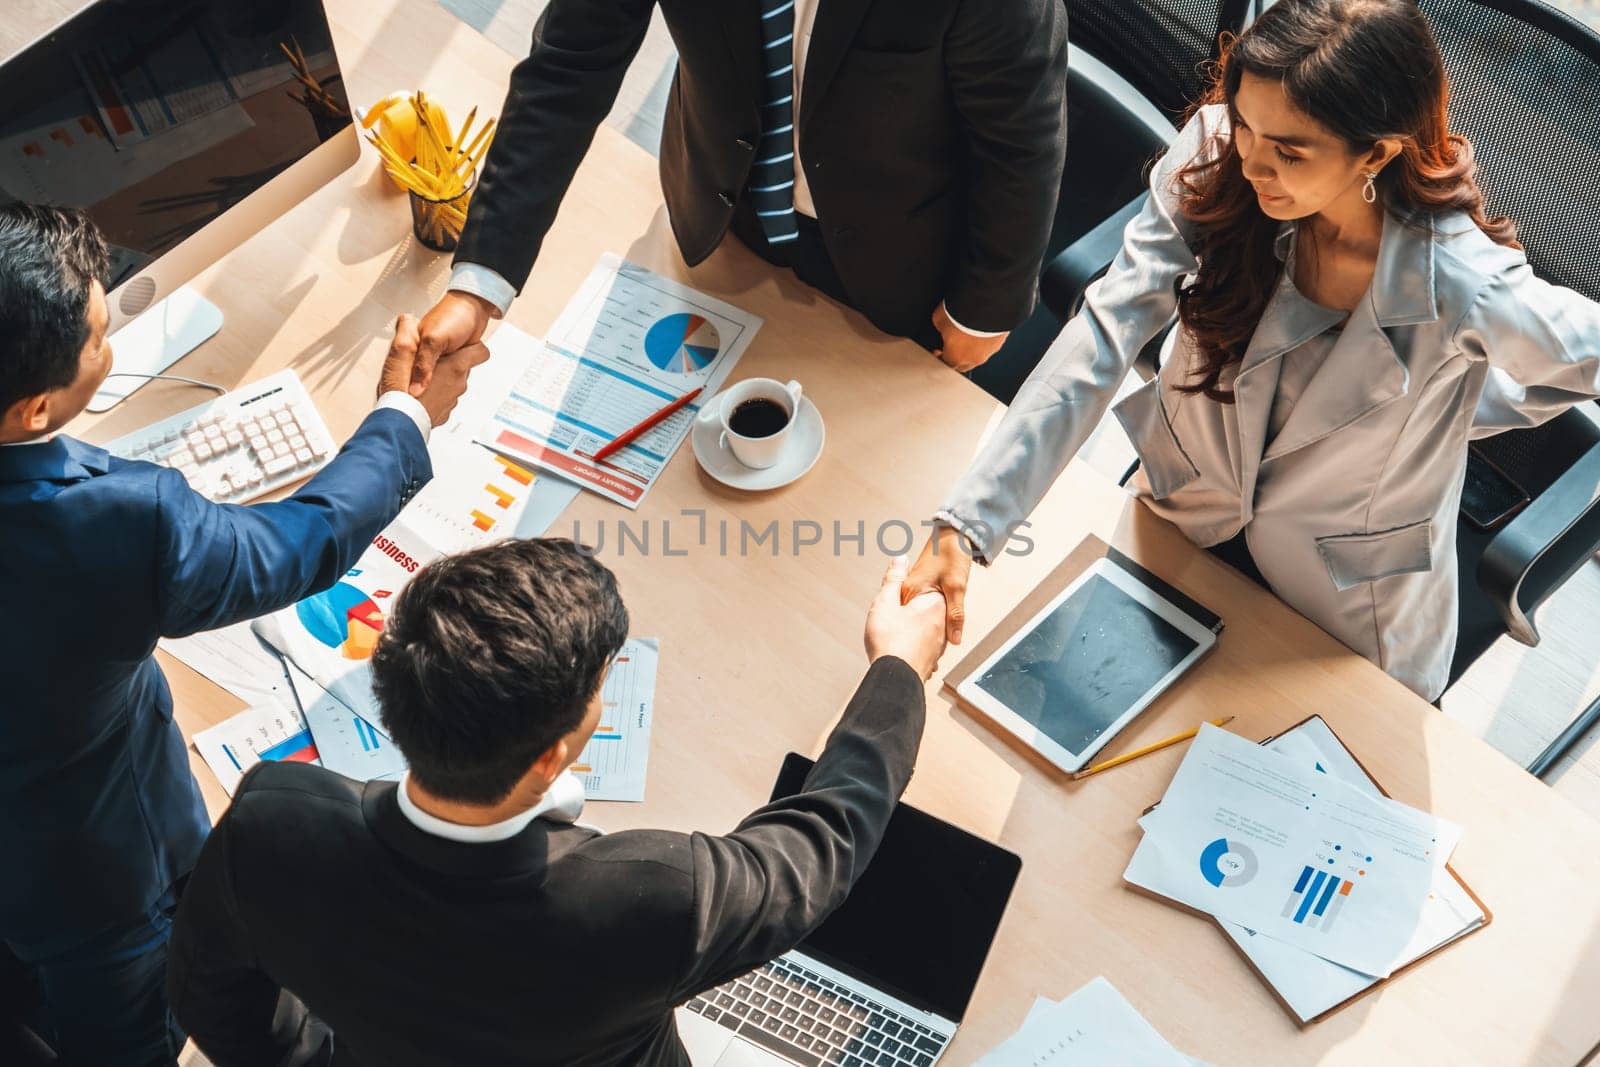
(1355, 558)
(1167, 467)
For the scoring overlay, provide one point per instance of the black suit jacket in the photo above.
(317, 905)
(932, 131)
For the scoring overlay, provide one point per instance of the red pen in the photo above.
(628, 438)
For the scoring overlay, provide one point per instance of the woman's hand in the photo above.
(943, 568)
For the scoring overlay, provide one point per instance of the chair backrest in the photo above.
(1160, 47)
(1525, 89)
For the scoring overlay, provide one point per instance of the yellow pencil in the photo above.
(461, 136)
(1146, 750)
(471, 151)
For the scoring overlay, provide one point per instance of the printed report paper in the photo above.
(612, 765)
(271, 732)
(628, 343)
(1254, 837)
(1309, 984)
(347, 743)
(1093, 1027)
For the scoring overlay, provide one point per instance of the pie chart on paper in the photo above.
(682, 343)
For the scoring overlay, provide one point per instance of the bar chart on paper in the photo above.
(1321, 890)
(350, 744)
(269, 732)
(476, 497)
(612, 765)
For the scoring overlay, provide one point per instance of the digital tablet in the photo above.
(1090, 660)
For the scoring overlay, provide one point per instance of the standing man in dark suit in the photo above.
(902, 156)
(447, 919)
(99, 815)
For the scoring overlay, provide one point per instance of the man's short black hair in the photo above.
(49, 259)
(490, 657)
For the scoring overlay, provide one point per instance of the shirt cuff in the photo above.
(978, 545)
(969, 331)
(409, 406)
(485, 282)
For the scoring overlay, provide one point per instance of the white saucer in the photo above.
(800, 452)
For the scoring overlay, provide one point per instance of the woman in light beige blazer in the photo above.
(1348, 319)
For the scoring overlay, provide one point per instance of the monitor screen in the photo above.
(156, 116)
(919, 923)
(1080, 669)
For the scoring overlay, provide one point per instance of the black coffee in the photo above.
(758, 418)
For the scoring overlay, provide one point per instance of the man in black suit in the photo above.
(902, 156)
(459, 916)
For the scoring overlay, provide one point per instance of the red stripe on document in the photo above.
(573, 467)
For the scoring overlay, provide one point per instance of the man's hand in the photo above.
(913, 631)
(456, 321)
(396, 376)
(962, 351)
(450, 381)
(943, 568)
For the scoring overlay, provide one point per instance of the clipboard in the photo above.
(1080, 559)
(1377, 983)
(1077, 561)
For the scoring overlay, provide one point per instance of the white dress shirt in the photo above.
(562, 802)
(482, 281)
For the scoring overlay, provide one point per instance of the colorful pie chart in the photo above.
(682, 343)
(344, 618)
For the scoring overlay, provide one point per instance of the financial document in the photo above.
(331, 635)
(348, 744)
(612, 765)
(478, 496)
(1257, 838)
(271, 732)
(1309, 984)
(1094, 1027)
(237, 660)
(628, 343)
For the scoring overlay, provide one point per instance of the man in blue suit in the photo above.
(100, 819)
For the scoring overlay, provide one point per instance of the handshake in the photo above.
(431, 359)
(912, 615)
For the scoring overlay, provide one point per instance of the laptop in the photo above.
(887, 977)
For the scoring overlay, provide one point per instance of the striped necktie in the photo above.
(772, 179)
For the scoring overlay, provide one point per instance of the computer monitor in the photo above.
(182, 127)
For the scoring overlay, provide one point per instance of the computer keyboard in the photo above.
(815, 1021)
(242, 445)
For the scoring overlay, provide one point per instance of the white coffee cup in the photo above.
(758, 453)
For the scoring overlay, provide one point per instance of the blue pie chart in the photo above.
(682, 343)
(1226, 863)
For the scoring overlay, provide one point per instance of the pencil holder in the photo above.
(438, 223)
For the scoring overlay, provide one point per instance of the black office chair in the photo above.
(1525, 88)
(1155, 50)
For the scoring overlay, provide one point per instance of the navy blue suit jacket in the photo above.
(100, 557)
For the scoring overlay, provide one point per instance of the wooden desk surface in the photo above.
(760, 650)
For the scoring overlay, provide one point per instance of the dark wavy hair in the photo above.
(1363, 69)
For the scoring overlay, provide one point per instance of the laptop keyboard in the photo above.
(814, 1021)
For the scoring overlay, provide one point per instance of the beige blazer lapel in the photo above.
(1363, 370)
(1287, 322)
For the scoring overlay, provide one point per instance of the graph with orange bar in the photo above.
(612, 765)
(476, 496)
